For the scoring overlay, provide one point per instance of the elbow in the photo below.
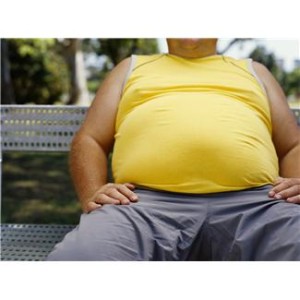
(292, 146)
(84, 142)
(77, 142)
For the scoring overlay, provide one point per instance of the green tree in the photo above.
(118, 49)
(112, 51)
(38, 74)
(260, 54)
(47, 71)
(293, 82)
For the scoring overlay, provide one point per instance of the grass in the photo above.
(36, 188)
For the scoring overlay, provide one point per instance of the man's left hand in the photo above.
(287, 189)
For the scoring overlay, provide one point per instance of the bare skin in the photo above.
(94, 140)
(192, 48)
(286, 139)
(93, 143)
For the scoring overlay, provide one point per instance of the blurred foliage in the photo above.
(293, 82)
(39, 75)
(268, 59)
(40, 68)
(111, 52)
(118, 49)
(289, 81)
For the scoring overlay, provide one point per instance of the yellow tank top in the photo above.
(193, 126)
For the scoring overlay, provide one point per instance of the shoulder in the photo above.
(274, 91)
(267, 78)
(269, 81)
(276, 96)
(264, 74)
(125, 62)
(261, 69)
(117, 75)
(122, 67)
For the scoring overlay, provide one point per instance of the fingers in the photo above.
(121, 192)
(91, 206)
(126, 190)
(129, 185)
(295, 199)
(112, 193)
(287, 189)
(101, 198)
(117, 196)
(98, 201)
(285, 192)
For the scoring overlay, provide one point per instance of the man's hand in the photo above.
(111, 193)
(287, 189)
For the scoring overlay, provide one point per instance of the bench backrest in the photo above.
(44, 128)
(39, 128)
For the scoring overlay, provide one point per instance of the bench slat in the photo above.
(30, 241)
(39, 128)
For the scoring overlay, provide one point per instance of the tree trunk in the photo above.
(7, 92)
(79, 94)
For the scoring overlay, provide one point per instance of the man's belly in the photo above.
(194, 147)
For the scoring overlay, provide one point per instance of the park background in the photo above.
(36, 187)
(156, 19)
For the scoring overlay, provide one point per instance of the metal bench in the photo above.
(38, 128)
(35, 128)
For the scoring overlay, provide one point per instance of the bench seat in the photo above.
(30, 242)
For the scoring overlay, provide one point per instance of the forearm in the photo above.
(290, 164)
(88, 167)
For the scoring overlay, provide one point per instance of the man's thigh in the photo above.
(160, 226)
(250, 226)
(108, 233)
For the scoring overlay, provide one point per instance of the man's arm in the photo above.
(286, 138)
(93, 143)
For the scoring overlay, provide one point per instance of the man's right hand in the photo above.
(111, 193)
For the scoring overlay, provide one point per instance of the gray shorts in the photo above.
(244, 225)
